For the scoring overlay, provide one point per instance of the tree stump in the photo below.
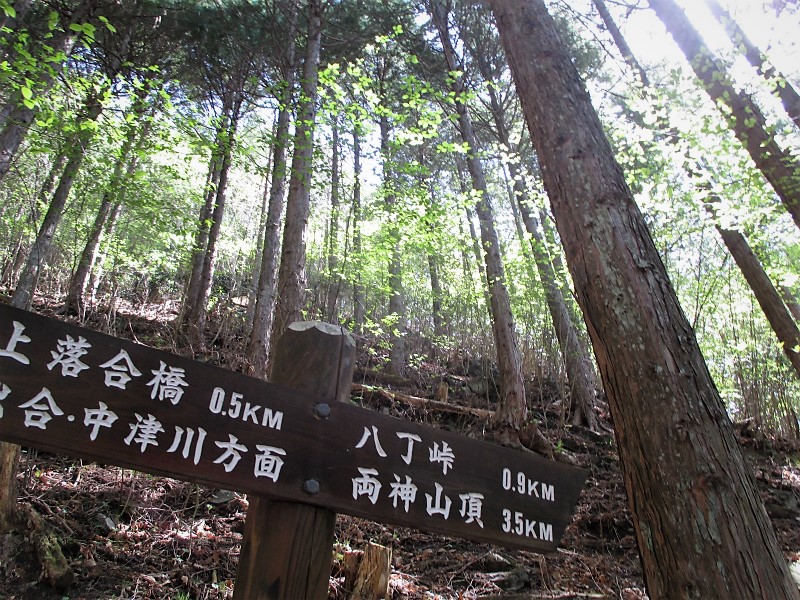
(287, 546)
(367, 573)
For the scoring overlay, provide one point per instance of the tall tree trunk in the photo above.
(620, 41)
(397, 350)
(358, 292)
(96, 274)
(124, 169)
(512, 411)
(258, 343)
(784, 90)
(768, 297)
(40, 251)
(255, 272)
(694, 501)
(292, 271)
(334, 279)
(577, 359)
(16, 117)
(791, 302)
(437, 295)
(196, 318)
(193, 293)
(475, 243)
(23, 294)
(576, 353)
(42, 197)
(742, 114)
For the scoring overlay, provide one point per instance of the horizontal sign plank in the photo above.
(68, 389)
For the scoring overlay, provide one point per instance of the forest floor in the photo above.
(131, 535)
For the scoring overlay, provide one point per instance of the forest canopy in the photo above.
(148, 148)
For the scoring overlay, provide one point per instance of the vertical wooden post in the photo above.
(287, 546)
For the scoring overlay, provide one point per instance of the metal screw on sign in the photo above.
(311, 486)
(322, 410)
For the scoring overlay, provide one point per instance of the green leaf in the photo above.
(8, 9)
(26, 92)
(108, 24)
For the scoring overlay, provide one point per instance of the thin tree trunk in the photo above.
(791, 302)
(332, 292)
(784, 90)
(397, 351)
(192, 296)
(23, 294)
(358, 292)
(45, 193)
(475, 243)
(196, 319)
(124, 168)
(512, 411)
(437, 295)
(96, 274)
(769, 299)
(16, 117)
(40, 251)
(621, 43)
(742, 114)
(292, 271)
(255, 274)
(577, 358)
(258, 343)
(694, 501)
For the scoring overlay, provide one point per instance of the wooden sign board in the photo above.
(71, 390)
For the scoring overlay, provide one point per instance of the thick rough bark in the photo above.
(783, 89)
(745, 118)
(766, 294)
(292, 272)
(700, 524)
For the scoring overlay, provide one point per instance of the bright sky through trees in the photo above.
(777, 35)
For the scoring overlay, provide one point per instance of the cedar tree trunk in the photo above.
(701, 526)
(292, 272)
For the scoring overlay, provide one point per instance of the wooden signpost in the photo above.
(74, 391)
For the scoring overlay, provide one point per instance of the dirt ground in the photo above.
(131, 535)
